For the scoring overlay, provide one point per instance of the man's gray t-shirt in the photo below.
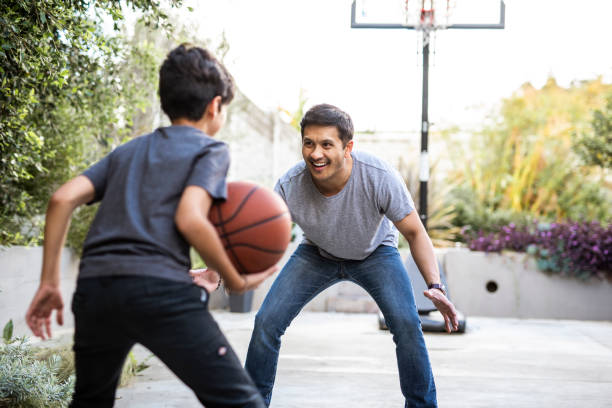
(354, 222)
(139, 185)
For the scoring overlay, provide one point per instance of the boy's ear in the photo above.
(214, 107)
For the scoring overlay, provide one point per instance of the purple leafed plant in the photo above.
(581, 249)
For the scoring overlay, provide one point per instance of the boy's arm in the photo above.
(421, 249)
(192, 221)
(48, 297)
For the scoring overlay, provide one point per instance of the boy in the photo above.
(134, 284)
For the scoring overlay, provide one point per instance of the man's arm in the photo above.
(48, 297)
(422, 251)
(192, 221)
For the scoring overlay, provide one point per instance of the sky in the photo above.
(278, 47)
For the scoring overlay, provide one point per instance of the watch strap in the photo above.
(438, 286)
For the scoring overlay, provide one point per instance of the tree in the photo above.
(61, 89)
(522, 164)
(595, 146)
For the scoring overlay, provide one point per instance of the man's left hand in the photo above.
(446, 308)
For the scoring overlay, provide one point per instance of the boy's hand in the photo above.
(253, 280)
(38, 317)
(206, 278)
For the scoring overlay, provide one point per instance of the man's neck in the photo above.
(332, 187)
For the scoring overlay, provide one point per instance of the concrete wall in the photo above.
(262, 146)
(480, 284)
(20, 275)
(510, 285)
(520, 289)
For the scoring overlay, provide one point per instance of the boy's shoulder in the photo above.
(174, 138)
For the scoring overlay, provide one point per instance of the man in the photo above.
(134, 284)
(350, 206)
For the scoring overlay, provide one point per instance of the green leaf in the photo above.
(7, 333)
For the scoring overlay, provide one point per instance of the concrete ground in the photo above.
(343, 360)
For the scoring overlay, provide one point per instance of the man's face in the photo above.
(324, 154)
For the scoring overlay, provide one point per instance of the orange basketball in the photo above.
(254, 225)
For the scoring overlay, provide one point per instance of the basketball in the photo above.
(254, 225)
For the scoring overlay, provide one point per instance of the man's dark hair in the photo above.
(189, 79)
(329, 115)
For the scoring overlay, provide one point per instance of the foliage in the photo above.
(32, 377)
(61, 89)
(28, 382)
(522, 166)
(439, 212)
(7, 332)
(296, 116)
(196, 260)
(581, 249)
(595, 147)
(131, 368)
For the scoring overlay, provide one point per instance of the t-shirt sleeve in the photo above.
(210, 171)
(278, 188)
(394, 200)
(98, 175)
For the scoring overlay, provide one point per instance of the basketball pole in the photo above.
(424, 159)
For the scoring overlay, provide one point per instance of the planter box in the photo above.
(510, 285)
(20, 271)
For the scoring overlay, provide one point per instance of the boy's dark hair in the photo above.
(329, 115)
(189, 79)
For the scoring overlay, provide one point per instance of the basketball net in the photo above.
(428, 16)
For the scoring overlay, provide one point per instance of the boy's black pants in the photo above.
(169, 318)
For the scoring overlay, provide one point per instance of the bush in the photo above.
(32, 377)
(70, 86)
(27, 382)
(580, 249)
(521, 166)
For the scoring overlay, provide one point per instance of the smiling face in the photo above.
(328, 161)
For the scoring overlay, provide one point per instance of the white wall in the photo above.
(522, 290)
(20, 275)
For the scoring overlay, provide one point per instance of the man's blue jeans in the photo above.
(383, 276)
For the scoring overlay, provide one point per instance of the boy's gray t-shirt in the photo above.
(354, 222)
(139, 185)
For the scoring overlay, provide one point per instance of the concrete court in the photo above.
(343, 360)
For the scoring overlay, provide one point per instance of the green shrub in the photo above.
(521, 165)
(40, 377)
(28, 382)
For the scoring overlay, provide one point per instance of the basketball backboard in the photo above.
(441, 14)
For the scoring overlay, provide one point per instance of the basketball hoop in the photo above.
(428, 16)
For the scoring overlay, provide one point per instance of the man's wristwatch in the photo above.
(438, 286)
